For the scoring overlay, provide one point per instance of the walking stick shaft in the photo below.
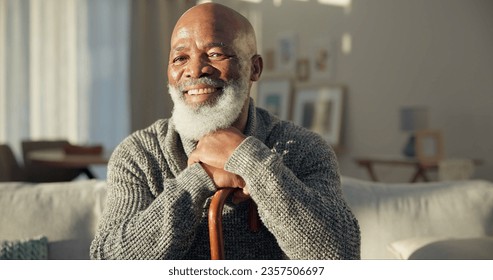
(215, 217)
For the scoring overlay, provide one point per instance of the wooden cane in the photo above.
(215, 217)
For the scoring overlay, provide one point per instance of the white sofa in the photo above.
(427, 220)
(65, 213)
(440, 220)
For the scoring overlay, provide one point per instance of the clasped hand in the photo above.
(212, 152)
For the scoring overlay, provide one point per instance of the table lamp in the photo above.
(412, 119)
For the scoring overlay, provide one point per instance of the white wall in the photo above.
(434, 53)
(404, 52)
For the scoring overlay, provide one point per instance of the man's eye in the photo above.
(216, 55)
(179, 60)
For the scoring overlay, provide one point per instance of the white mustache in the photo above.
(201, 81)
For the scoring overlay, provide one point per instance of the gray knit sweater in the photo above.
(157, 206)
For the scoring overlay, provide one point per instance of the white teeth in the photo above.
(201, 91)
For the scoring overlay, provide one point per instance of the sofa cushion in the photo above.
(391, 212)
(66, 213)
(440, 248)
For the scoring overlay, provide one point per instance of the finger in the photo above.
(239, 196)
(193, 158)
(216, 148)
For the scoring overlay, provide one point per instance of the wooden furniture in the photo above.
(421, 168)
(370, 161)
(58, 160)
(42, 173)
(10, 169)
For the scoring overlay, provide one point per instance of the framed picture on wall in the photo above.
(429, 146)
(274, 95)
(323, 59)
(320, 109)
(287, 52)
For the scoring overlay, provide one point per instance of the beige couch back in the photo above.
(388, 213)
(67, 213)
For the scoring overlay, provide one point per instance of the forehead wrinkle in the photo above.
(181, 46)
(216, 44)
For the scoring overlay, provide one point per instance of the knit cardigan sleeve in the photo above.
(149, 216)
(295, 183)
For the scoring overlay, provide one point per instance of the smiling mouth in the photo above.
(201, 91)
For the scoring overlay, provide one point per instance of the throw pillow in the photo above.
(433, 248)
(28, 249)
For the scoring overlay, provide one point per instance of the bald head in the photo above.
(221, 20)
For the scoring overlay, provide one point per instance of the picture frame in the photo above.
(322, 63)
(287, 52)
(303, 70)
(320, 109)
(274, 95)
(429, 146)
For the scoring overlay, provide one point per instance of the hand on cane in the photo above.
(212, 152)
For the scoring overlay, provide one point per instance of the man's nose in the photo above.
(199, 67)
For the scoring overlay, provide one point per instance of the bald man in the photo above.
(161, 179)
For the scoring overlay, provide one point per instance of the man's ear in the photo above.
(257, 66)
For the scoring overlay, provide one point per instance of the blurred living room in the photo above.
(402, 90)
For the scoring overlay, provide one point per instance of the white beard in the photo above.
(194, 122)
